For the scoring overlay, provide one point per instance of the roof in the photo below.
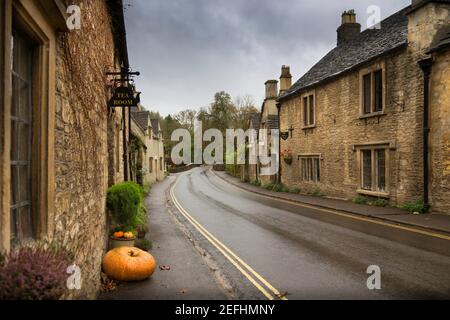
(369, 45)
(155, 127)
(441, 40)
(254, 121)
(141, 119)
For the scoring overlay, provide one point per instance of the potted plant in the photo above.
(125, 204)
(287, 156)
(123, 237)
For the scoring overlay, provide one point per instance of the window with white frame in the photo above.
(374, 169)
(310, 168)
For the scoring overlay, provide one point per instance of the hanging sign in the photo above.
(123, 97)
(284, 135)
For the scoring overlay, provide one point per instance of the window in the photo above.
(309, 111)
(310, 169)
(117, 148)
(372, 92)
(21, 137)
(150, 165)
(374, 170)
(161, 164)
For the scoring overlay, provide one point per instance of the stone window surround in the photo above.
(380, 65)
(32, 19)
(309, 156)
(307, 95)
(358, 148)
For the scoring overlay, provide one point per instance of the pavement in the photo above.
(433, 221)
(189, 276)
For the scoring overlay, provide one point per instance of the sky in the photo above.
(187, 50)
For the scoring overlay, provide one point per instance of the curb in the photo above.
(444, 232)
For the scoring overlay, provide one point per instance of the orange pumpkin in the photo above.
(128, 264)
(128, 235)
(118, 234)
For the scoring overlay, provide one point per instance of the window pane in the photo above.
(14, 152)
(305, 111)
(15, 97)
(311, 110)
(14, 184)
(310, 169)
(24, 184)
(381, 170)
(13, 224)
(367, 170)
(317, 166)
(24, 142)
(378, 91)
(304, 176)
(25, 226)
(366, 92)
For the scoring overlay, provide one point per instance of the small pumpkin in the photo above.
(128, 235)
(118, 234)
(128, 264)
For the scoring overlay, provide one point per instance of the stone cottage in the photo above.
(372, 117)
(60, 145)
(150, 157)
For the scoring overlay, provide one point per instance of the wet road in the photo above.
(293, 254)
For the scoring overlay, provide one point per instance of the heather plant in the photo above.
(33, 274)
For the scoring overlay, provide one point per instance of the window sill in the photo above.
(309, 127)
(373, 193)
(372, 115)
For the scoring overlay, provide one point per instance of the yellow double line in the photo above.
(255, 278)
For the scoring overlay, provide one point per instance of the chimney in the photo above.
(271, 89)
(349, 28)
(285, 79)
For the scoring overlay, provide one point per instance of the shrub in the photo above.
(125, 203)
(380, 203)
(144, 244)
(256, 183)
(416, 206)
(145, 190)
(360, 200)
(317, 193)
(294, 190)
(30, 274)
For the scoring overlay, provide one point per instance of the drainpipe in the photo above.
(426, 65)
(279, 142)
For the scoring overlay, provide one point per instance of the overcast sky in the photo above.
(187, 50)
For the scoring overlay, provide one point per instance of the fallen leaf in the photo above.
(183, 291)
(164, 268)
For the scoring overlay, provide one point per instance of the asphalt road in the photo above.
(264, 247)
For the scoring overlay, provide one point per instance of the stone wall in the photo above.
(81, 148)
(339, 128)
(440, 133)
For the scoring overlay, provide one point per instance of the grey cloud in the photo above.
(189, 49)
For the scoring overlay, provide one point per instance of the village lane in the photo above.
(265, 246)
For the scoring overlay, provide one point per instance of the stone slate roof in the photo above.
(141, 119)
(441, 40)
(254, 121)
(370, 44)
(272, 122)
(155, 127)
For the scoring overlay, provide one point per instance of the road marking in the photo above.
(336, 212)
(230, 255)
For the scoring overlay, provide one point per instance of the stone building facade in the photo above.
(150, 158)
(359, 116)
(60, 145)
